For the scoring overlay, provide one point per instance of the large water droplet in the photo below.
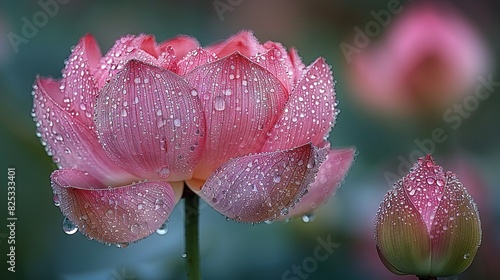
(163, 229)
(68, 226)
(277, 179)
(122, 245)
(309, 217)
(177, 123)
(163, 172)
(135, 228)
(57, 201)
(219, 103)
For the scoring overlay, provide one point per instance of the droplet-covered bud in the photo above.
(427, 224)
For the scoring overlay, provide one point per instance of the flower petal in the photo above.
(426, 175)
(142, 48)
(309, 114)
(453, 235)
(330, 175)
(113, 215)
(181, 44)
(273, 61)
(150, 122)
(241, 101)
(70, 143)
(261, 187)
(406, 244)
(194, 59)
(298, 65)
(79, 86)
(243, 42)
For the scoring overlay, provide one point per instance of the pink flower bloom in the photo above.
(244, 124)
(428, 225)
(429, 58)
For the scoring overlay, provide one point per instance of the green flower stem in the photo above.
(191, 215)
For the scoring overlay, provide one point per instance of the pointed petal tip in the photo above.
(329, 178)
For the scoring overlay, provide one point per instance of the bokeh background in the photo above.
(231, 250)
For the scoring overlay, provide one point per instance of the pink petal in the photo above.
(330, 175)
(396, 239)
(425, 176)
(272, 60)
(79, 86)
(181, 44)
(456, 224)
(241, 101)
(286, 60)
(261, 187)
(150, 122)
(142, 48)
(243, 42)
(194, 59)
(310, 112)
(297, 65)
(113, 215)
(71, 143)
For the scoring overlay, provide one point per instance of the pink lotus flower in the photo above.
(428, 225)
(244, 124)
(429, 58)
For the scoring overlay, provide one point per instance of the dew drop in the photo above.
(194, 92)
(466, 256)
(137, 80)
(135, 228)
(184, 255)
(177, 123)
(122, 245)
(309, 217)
(163, 172)
(277, 179)
(219, 103)
(163, 228)
(68, 226)
(57, 201)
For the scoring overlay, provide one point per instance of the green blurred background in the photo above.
(231, 250)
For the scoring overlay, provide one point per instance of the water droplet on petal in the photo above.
(277, 179)
(163, 229)
(219, 103)
(309, 217)
(57, 201)
(68, 226)
(122, 245)
(177, 123)
(163, 172)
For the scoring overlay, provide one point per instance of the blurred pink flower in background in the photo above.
(429, 58)
(244, 124)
